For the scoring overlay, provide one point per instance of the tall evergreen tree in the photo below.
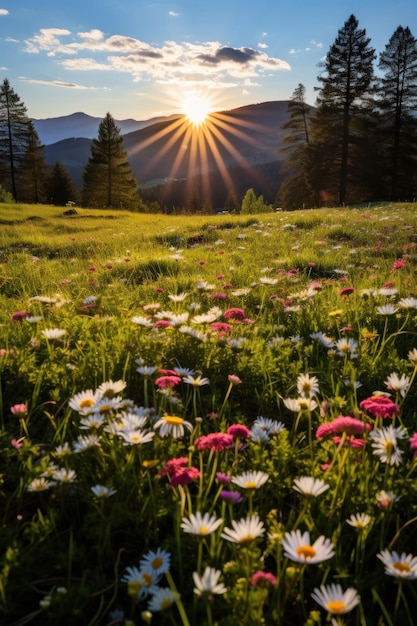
(296, 190)
(343, 106)
(398, 102)
(33, 169)
(107, 178)
(13, 135)
(59, 186)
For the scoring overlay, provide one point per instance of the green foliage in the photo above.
(5, 196)
(251, 205)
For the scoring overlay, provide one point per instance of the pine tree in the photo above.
(14, 136)
(33, 169)
(343, 105)
(59, 186)
(107, 178)
(297, 189)
(398, 102)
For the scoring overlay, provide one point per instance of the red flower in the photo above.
(346, 291)
(235, 314)
(19, 315)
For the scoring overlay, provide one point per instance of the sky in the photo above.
(144, 58)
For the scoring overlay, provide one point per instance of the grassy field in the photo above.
(208, 419)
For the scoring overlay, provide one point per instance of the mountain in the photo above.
(51, 130)
(165, 153)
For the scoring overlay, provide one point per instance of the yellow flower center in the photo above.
(147, 579)
(336, 606)
(306, 551)
(105, 407)
(389, 448)
(401, 566)
(156, 563)
(246, 539)
(166, 604)
(250, 484)
(133, 587)
(203, 530)
(174, 420)
(86, 403)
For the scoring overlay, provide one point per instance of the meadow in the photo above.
(208, 419)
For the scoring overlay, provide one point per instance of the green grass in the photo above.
(246, 303)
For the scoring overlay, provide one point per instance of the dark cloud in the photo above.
(236, 55)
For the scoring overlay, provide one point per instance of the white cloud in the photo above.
(4, 12)
(55, 83)
(316, 44)
(263, 45)
(173, 14)
(168, 63)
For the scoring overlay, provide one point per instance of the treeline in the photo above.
(359, 143)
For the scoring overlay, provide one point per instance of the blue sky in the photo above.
(141, 58)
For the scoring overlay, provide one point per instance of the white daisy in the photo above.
(64, 476)
(298, 547)
(397, 383)
(199, 524)
(39, 484)
(359, 521)
(179, 297)
(347, 347)
(192, 332)
(310, 486)
(111, 388)
(197, 381)
(399, 565)
(52, 334)
(307, 385)
(85, 442)
(93, 421)
(245, 530)
(408, 303)
(140, 320)
(251, 479)
(385, 444)
(208, 584)
(268, 425)
(162, 599)
(386, 309)
(102, 492)
(140, 583)
(84, 401)
(158, 562)
(334, 600)
(326, 341)
(136, 437)
(172, 425)
(300, 404)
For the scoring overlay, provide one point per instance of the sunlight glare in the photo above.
(196, 109)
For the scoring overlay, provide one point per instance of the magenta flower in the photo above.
(235, 380)
(223, 478)
(214, 441)
(235, 314)
(162, 324)
(19, 315)
(413, 443)
(346, 291)
(167, 381)
(92, 268)
(221, 327)
(172, 466)
(342, 424)
(234, 497)
(185, 476)
(350, 441)
(380, 406)
(238, 431)
(264, 580)
(218, 296)
(398, 264)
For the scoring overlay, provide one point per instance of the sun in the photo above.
(196, 109)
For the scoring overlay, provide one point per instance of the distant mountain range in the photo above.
(238, 150)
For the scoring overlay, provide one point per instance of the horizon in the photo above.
(144, 60)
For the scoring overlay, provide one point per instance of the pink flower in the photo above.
(221, 327)
(398, 264)
(380, 406)
(167, 381)
(201, 262)
(92, 268)
(350, 442)
(17, 443)
(185, 476)
(159, 290)
(19, 410)
(162, 324)
(109, 266)
(19, 315)
(413, 443)
(223, 478)
(238, 431)
(227, 286)
(264, 580)
(238, 315)
(214, 441)
(342, 424)
(173, 466)
(235, 380)
(346, 291)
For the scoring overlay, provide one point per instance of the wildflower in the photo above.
(412, 355)
(396, 383)
(408, 303)
(385, 445)
(140, 583)
(197, 381)
(158, 562)
(19, 410)
(250, 480)
(185, 476)
(84, 443)
(102, 492)
(167, 381)
(307, 385)
(398, 264)
(334, 600)
(386, 309)
(259, 435)
(238, 431)
(142, 321)
(84, 401)
(53, 334)
(223, 478)
(388, 291)
(172, 425)
(62, 451)
(221, 327)
(297, 547)
(19, 315)
(199, 524)
(173, 466)
(347, 347)
(64, 476)
(162, 599)
(39, 484)
(268, 425)
(136, 437)
(206, 318)
(180, 297)
(192, 332)
(300, 404)
(346, 291)
(234, 380)
(264, 580)
(214, 441)
(359, 521)
(310, 486)
(233, 497)
(110, 388)
(245, 530)
(401, 566)
(342, 424)
(413, 443)
(384, 498)
(380, 406)
(207, 584)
